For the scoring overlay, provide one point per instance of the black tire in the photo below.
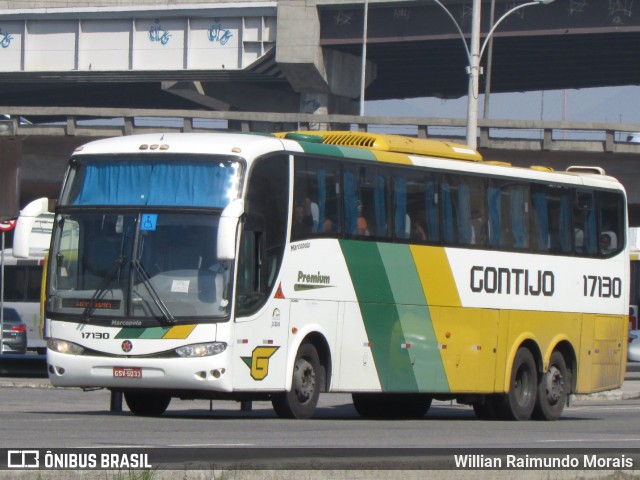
(553, 389)
(519, 402)
(390, 406)
(300, 402)
(145, 404)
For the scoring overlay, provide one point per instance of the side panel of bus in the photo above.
(22, 287)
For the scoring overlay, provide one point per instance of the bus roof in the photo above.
(358, 145)
(389, 143)
(219, 143)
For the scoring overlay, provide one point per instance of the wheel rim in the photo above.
(523, 386)
(304, 379)
(554, 385)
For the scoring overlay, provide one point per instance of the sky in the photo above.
(610, 104)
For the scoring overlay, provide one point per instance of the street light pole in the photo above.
(474, 76)
(363, 71)
(474, 54)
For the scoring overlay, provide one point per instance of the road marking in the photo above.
(178, 445)
(196, 445)
(586, 440)
(601, 407)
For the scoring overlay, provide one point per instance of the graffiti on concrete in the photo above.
(5, 39)
(158, 34)
(218, 34)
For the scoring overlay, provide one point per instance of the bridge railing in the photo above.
(496, 134)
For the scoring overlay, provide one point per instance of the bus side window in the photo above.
(366, 201)
(14, 283)
(508, 215)
(463, 211)
(265, 231)
(584, 224)
(416, 215)
(551, 216)
(34, 283)
(315, 198)
(250, 284)
(402, 222)
(610, 222)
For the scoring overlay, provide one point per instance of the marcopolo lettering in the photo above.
(512, 281)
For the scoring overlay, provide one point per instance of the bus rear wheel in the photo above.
(552, 390)
(519, 402)
(300, 402)
(147, 404)
(391, 405)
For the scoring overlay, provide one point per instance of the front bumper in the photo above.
(203, 373)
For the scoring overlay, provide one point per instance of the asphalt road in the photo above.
(32, 416)
(47, 417)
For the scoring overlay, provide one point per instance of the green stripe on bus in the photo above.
(148, 333)
(338, 151)
(321, 149)
(414, 317)
(129, 333)
(359, 153)
(380, 315)
(401, 273)
(396, 317)
(154, 332)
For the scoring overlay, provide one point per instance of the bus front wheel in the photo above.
(552, 390)
(147, 404)
(300, 402)
(519, 402)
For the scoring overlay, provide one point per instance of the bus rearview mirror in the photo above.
(228, 229)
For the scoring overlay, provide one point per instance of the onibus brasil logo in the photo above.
(258, 362)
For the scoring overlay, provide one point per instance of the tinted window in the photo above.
(508, 204)
(316, 210)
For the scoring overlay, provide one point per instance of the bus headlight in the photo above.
(201, 349)
(62, 346)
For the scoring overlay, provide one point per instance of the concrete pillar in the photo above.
(328, 81)
(316, 103)
(10, 161)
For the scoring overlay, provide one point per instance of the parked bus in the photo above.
(634, 277)
(23, 268)
(244, 267)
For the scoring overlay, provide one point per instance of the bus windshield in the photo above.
(138, 265)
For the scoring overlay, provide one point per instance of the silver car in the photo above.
(14, 332)
(633, 353)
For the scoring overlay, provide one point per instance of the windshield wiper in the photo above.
(146, 281)
(102, 288)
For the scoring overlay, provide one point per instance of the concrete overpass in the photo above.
(298, 55)
(256, 58)
(40, 152)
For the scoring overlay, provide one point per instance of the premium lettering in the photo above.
(316, 279)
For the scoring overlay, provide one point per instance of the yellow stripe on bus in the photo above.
(392, 157)
(179, 332)
(436, 276)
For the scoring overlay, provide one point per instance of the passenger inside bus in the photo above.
(302, 219)
(362, 227)
(608, 242)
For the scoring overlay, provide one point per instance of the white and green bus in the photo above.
(278, 267)
(23, 267)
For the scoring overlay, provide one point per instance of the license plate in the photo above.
(126, 372)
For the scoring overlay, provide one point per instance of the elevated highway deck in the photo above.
(43, 149)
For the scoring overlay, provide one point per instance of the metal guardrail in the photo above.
(534, 135)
